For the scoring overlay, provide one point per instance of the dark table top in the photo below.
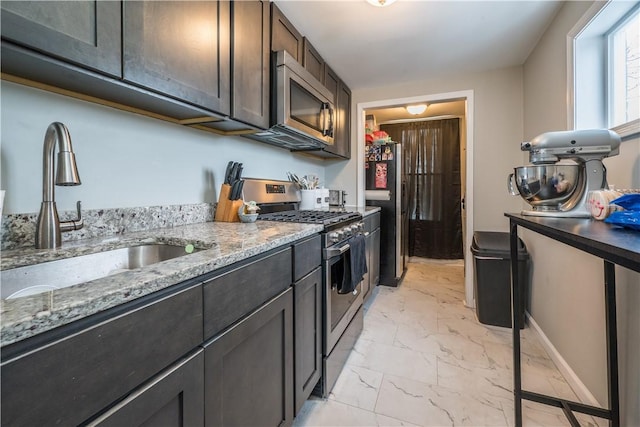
(612, 243)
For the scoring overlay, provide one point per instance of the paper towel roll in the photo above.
(377, 194)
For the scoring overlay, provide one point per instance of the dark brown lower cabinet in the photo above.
(372, 229)
(174, 398)
(308, 335)
(374, 261)
(75, 378)
(249, 369)
(150, 363)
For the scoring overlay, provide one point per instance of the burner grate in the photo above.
(310, 216)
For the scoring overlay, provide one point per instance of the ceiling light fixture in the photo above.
(380, 3)
(416, 109)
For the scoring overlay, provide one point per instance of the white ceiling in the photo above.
(436, 110)
(413, 40)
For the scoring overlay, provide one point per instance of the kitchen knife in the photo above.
(236, 190)
(239, 175)
(227, 178)
(234, 173)
(232, 191)
(240, 187)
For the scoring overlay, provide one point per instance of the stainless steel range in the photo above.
(342, 310)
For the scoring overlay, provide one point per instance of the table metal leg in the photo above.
(612, 342)
(515, 316)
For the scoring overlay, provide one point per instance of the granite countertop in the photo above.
(220, 244)
(363, 210)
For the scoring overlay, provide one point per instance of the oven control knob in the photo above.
(355, 228)
(333, 237)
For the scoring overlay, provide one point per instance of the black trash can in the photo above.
(492, 277)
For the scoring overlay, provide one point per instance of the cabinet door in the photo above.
(173, 398)
(234, 294)
(76, 377)
(342, 142)
(374, 262)
(308, 335)
(87, 33)
(312, 61)
(307, 255)
(284, 35)
(366, 281)
(249, 369)
(342, 97)
(180, 49)
(251, 56)
(331, 81)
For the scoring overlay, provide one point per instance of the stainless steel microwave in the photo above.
(302, 109)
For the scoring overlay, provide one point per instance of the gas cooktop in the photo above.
(312, 216)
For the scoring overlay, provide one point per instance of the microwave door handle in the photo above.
(323, 111)
(330, 129)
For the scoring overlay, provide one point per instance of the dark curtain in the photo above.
(432, 187)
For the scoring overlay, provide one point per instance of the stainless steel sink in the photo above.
(37, 278)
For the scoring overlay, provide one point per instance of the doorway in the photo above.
(431, 183)
(466, 160)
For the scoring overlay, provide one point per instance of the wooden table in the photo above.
(614, 245)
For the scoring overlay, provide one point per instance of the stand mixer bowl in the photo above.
(547, 186)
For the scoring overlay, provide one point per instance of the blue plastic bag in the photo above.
(630, 202)
(630, 217)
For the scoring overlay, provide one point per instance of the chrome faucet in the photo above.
(49, 227)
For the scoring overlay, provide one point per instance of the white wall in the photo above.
(567, 285)
(124, 159)
(497, 136)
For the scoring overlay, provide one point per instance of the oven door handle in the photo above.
(333, 252)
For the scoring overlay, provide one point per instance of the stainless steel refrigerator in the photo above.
(383, 172)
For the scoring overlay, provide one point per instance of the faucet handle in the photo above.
(74, 224)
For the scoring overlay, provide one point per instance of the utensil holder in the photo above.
(307, 199)
(227, 210)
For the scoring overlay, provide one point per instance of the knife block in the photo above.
(227, 210)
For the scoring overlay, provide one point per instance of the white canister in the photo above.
(317, 204)
(307, 199)
(324, 197)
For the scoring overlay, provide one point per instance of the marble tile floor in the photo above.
(423, 359)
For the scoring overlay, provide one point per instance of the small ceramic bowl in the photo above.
(248, 217)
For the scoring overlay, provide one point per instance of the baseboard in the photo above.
(572, 378)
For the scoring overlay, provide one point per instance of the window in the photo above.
(624, 70)
(603, 68)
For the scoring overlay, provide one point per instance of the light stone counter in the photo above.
(221, 244)
(365, 211)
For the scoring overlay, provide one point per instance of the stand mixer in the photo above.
(556, 188)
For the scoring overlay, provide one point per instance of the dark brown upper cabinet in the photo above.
(343, 131)
(312, 61)
(180, 49)
(284, 35)
(86, 33)
(251, 69)
(342, 97)
(331, 81)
